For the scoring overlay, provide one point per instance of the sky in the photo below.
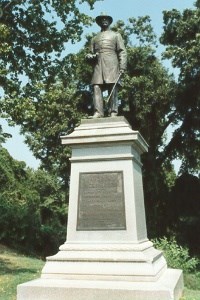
(119, 10)
(124, 9)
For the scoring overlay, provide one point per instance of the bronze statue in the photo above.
(109, 55)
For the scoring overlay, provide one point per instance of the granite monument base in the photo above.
(107, 254)
(168, 287)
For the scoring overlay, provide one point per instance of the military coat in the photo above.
(111, 56)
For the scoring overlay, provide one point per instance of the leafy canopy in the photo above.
(181, 37)
(31, 39)
(58, 94)
(32, 207)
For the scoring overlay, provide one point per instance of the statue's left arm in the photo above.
(122, 55)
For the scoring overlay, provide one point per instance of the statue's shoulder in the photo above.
(96, 37)
(118, 34)
(115, 34)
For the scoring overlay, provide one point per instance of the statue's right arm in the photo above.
(92, 55)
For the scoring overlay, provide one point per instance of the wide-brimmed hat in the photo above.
(103, 15)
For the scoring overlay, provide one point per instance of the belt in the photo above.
(106, 51)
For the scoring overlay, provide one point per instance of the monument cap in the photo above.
(103, 15)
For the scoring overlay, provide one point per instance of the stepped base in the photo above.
(168, 287)
(103, 262)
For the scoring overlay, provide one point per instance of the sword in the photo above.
(120, 74)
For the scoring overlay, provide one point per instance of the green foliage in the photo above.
(182, 40)
(49, 107)
(181, 35)
(3, 136)
(43, 120)
(184, 211)
(143, 31)
(147, 95)
(37, 92)
(177, 257)
(32, 207)
(58, 94)
(31, 37)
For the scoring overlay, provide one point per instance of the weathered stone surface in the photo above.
(168, 287)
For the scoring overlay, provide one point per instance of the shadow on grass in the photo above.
(6, 267)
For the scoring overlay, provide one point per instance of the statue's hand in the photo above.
(91, 56)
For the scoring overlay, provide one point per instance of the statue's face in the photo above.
(105, 22)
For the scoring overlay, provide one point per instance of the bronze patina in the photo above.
(101, 201)
(109, 55)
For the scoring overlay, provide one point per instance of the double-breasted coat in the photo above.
(111, 57)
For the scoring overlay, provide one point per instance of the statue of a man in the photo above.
(109, 55)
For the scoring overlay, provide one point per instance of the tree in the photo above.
(32, 208)
(31, 42)
(147, 94)
(50, 105)
(33, 35)
(182, 39)
(31, 39)
(185, 215)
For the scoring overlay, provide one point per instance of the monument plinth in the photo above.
(107, 254)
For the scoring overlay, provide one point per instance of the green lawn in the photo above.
(16, 268)
(192, 287)
(191, 294)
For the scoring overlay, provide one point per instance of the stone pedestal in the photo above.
(107, 254)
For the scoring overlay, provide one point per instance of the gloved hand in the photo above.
(91, 56)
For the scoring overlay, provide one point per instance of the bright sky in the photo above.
(124, 9)
(119, 10)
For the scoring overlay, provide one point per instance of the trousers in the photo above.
(98, 98)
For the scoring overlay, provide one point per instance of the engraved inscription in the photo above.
(101, 201)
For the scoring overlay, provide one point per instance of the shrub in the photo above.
(176, 256)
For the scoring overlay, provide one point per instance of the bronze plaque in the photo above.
(101, 201)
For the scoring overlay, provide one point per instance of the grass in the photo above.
(191, 295)
(192, 287)
(16, 268)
